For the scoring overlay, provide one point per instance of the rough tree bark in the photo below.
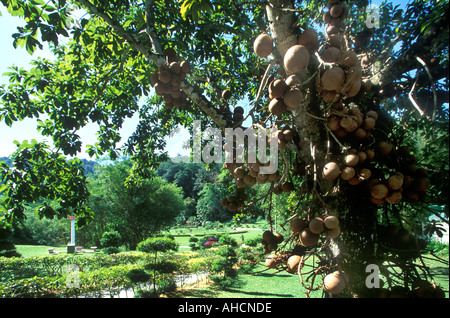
(355, 248)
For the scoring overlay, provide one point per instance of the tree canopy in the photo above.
(172, 62)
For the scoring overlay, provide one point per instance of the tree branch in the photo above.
(193, 93)
(157, 59)
(149, 28)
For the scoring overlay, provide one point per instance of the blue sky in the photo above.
(26, 129)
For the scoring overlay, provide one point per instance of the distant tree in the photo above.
(7, 248)
(136, 210)
(209, 206)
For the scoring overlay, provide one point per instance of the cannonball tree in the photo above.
(355, 95)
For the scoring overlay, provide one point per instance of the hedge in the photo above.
(50, 275)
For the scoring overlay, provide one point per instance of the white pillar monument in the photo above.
(71, 246)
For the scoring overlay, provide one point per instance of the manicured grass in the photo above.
(260, 283)
(240, 234)
(37, 250)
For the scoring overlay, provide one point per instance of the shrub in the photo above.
(138, 276)
(111, 239)
(157, 244)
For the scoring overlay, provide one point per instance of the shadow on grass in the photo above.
(439, 270)
(260, 294)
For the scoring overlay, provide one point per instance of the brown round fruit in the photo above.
(239, 172)
(296, 58)
(349, 124)
(309, 39)
(368, 123)
(331, 222)
(277, 107)
(353, 89)
(268, 236)
(332, 79)
(279, 238)
(330, 96)
(293, 98)
(395, 182)
(293, 263)
(297, 225)
(348, 58)
(421, 184)
(277, 88)
(263, 45)
(293, 80)
(384, 148)
(164, 76)
(333, 233)
(379, 191)
(331, 30)
(185, 66)
(226, 94)
(334, 283)
(366, 84)
(347, 173)
(249, 180)
(307, 238)
(317, 225)
(272, 261)
(331, 54)
(336, 10)
(331, 171)
(394, 197)
(175, 67)
(364, 174)
(336, 40)
(287, 186)
(372, 114)
(351, 160)
(334, 123)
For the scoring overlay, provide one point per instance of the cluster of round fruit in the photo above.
(238, 112)
(408, 181)
(352, 122)
(249, 174)
(344, 77)
(334, 16)
(285, 95)
(168, 78)
(297, 57)
(415, 180)
(270, 241)
(354, 167)
(235, 202)
(309, 233)
(397, 186)
(285, 135)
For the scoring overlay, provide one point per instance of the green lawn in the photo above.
(240, 234)
(37, 250)
(265, 284)
(273, 284)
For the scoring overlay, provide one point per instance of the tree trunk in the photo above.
(354, 249)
